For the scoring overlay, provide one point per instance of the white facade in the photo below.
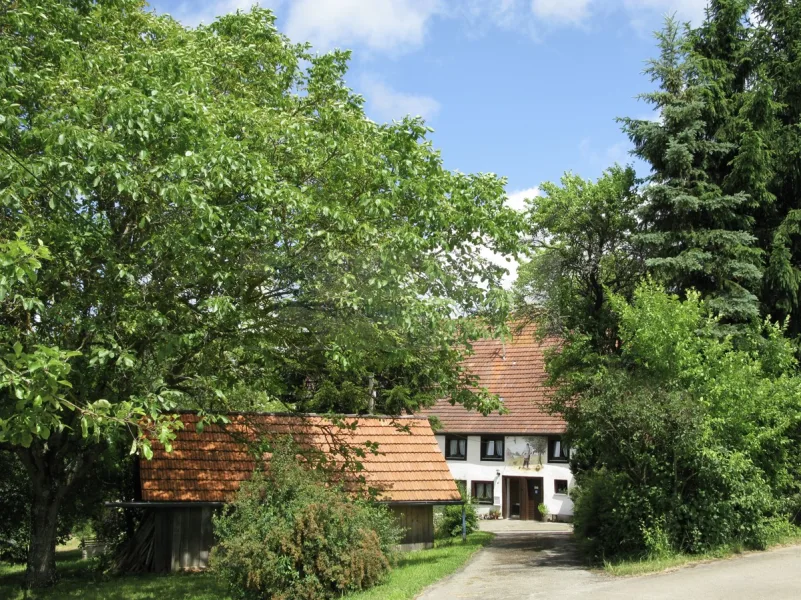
(524, 456)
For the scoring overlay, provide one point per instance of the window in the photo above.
(558, 452)
(491, 447)
(455, 447)
(560, 486)
(483, 491)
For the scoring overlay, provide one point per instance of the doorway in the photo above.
(521, 497)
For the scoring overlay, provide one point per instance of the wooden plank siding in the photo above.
(183, 539)
(184, 536)
(418, 524)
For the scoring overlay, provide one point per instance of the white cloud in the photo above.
(529, 17)
(383, 25)
(192, 14)
(517, 200)
(399, 26)
(387, 104)
(561, 11)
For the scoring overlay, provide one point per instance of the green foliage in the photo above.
(193, 214)
(14, 515)
(448, 523)
(685, 442)
(697, 230)
(292, 535)
(721, 210)
(282, 257)
(581, 234)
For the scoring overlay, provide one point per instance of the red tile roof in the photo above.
(515, 371)
(209, 466)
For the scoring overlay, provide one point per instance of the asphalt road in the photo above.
(529, 565)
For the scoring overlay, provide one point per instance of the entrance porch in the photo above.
(521, 497)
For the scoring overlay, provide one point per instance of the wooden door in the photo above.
(533, 497)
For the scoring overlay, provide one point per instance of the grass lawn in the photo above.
(628, 568)
(79, 580)
(417, 570)
(414, 571)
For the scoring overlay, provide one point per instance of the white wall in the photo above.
(516, 448)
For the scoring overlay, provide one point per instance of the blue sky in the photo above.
(524, 88)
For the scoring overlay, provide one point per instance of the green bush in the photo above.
(449, 523)
(290, 535)
(687, 440)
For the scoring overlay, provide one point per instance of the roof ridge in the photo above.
(187, 411)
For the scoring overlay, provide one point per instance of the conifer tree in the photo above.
(698, 233)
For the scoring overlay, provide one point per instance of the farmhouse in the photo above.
(516, 461)
(182, 488)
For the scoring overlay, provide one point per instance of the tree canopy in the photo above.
(677, 373)
(205, 218)
(684, 441)
(721, 207)
(582, 238)
(698, 231)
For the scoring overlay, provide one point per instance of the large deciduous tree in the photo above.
(187, 212)
(583, 245)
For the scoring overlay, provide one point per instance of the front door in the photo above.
(522, 497)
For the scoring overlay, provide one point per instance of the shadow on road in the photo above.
(553, 550)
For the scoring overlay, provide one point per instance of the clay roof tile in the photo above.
(209, 466)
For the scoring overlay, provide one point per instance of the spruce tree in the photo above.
(698, 234)
(775, 102)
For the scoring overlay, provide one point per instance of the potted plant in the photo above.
(543, 511)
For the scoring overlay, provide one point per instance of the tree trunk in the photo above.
(46, 501)
(53, 468)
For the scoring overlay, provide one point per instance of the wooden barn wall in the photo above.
(183, 538)
(418, 524)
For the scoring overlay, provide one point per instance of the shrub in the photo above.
(449, 524)
(686, 440)
(291, 535)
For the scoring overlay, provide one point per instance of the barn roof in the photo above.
(209, 466)
(515, 371)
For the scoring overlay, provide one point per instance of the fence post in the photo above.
(464, 523)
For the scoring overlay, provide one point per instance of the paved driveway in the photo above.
(537, 564)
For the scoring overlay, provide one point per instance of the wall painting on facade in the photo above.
(526, 453)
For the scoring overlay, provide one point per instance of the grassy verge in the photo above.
(414, 571)
(417, 570)
(80, 580)
(629, 568)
